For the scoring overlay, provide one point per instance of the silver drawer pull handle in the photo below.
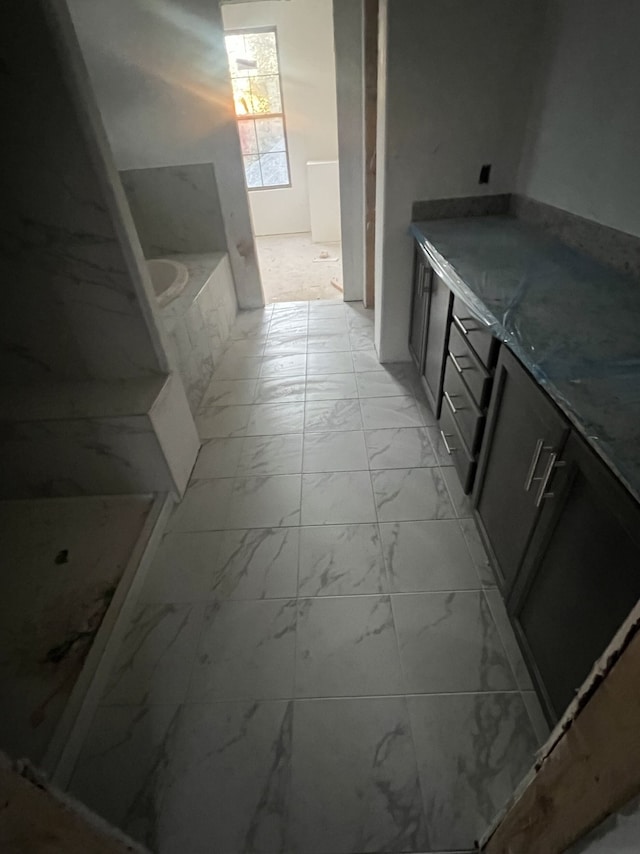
(540, 447)
(459, 368)
(459, 322)
(552, 463)
(452, 407)
(446, 436)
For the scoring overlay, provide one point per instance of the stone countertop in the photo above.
(574, 323)
(201, 267)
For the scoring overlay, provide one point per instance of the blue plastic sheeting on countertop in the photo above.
(573, 322)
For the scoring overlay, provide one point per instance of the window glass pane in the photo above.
(274, 169)
(265, 92)
(252, 171)
(270, 133)
(242, 95)
(237, 55)
(261, 47)
(248, 141)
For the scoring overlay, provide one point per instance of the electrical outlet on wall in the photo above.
(485, 172)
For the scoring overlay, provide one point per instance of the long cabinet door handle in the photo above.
(450, 450)
(456, 364)
(535, 459)
(552, 463)
(452, 406)
(459, 322)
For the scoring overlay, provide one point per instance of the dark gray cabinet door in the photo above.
(581, 576)
(419, 308)
(436, 341)
(523, 430)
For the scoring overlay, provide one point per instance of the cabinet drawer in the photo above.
(478, 336)
(457, 450)
(462, 407)
(473, 372)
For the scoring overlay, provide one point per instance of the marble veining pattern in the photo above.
(319, 660)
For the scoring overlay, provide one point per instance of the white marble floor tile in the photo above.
(422, 556)
(341, 560)
(408, 494)
(121, 770)
(269, 501)
(182, 568)
(205, 506)
(537, 717)
(271, 455)
(325, 415)
(381, 412)
(327, 342)
(331, 387)
(478, 553)
(354, 778)
(156, 655)
(336, 451)
(329, 363)
(402, 447)
(472, 752)
(250, 323)
(257, 563)
(292, 365)
(238, 368)
(461, 502)
(280, 389)
(382, 384)
(223, 421)
(283, 325)
(437, 629)
(366, 360)
(508, 638)
(346, 646)
(269, 419)
(246, 651)
(218, 458)
(320, 325)
(228, 392)
(281, 343)
(330, 498)
(361, 338)
(326, 308)
(155, 772)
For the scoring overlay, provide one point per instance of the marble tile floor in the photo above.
(319, 660)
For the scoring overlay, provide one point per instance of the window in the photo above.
(255, 77)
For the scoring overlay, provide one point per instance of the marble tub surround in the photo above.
(176, 209)
(66, 558)
(572, 321)
(317, 651)
(198, 321)
(97, 438)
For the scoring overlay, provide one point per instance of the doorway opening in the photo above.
(282, 68)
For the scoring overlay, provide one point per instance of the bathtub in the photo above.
(168, 277)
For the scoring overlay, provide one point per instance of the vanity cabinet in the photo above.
(562, 533)
(419, 307)
(436, 338)
(581, 573)
(525, 434)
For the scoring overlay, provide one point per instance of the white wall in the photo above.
(307, 68)
(454, 85)
(348, 21)
(160, 76)
(583, 142)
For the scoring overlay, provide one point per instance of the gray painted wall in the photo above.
(454, 87)
(348, 41)
(584, 130)
(160, 76)
(175, 209)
